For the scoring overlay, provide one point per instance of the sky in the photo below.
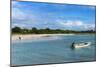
(53, 16)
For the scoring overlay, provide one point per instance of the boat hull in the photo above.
(81, 45)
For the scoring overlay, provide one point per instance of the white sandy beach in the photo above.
(34, 36)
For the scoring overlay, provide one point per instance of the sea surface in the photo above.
(53, 49)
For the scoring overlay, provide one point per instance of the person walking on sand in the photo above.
(19, 38)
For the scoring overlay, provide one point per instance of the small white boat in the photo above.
(81, 44)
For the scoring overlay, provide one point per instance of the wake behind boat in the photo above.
(80, 45)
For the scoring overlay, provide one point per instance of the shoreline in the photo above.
(15, 37)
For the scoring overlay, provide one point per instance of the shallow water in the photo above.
(56, 49)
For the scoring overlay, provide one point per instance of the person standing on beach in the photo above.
(19, 38)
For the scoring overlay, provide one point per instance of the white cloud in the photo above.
(89, 26)
(77, 23)
(18, 25)
(21, 17)
(16, 11)
(72, 23)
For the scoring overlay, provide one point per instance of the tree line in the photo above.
(34, 30)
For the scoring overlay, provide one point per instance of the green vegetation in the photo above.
(18, 30)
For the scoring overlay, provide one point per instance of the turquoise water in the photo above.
(56, 49)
